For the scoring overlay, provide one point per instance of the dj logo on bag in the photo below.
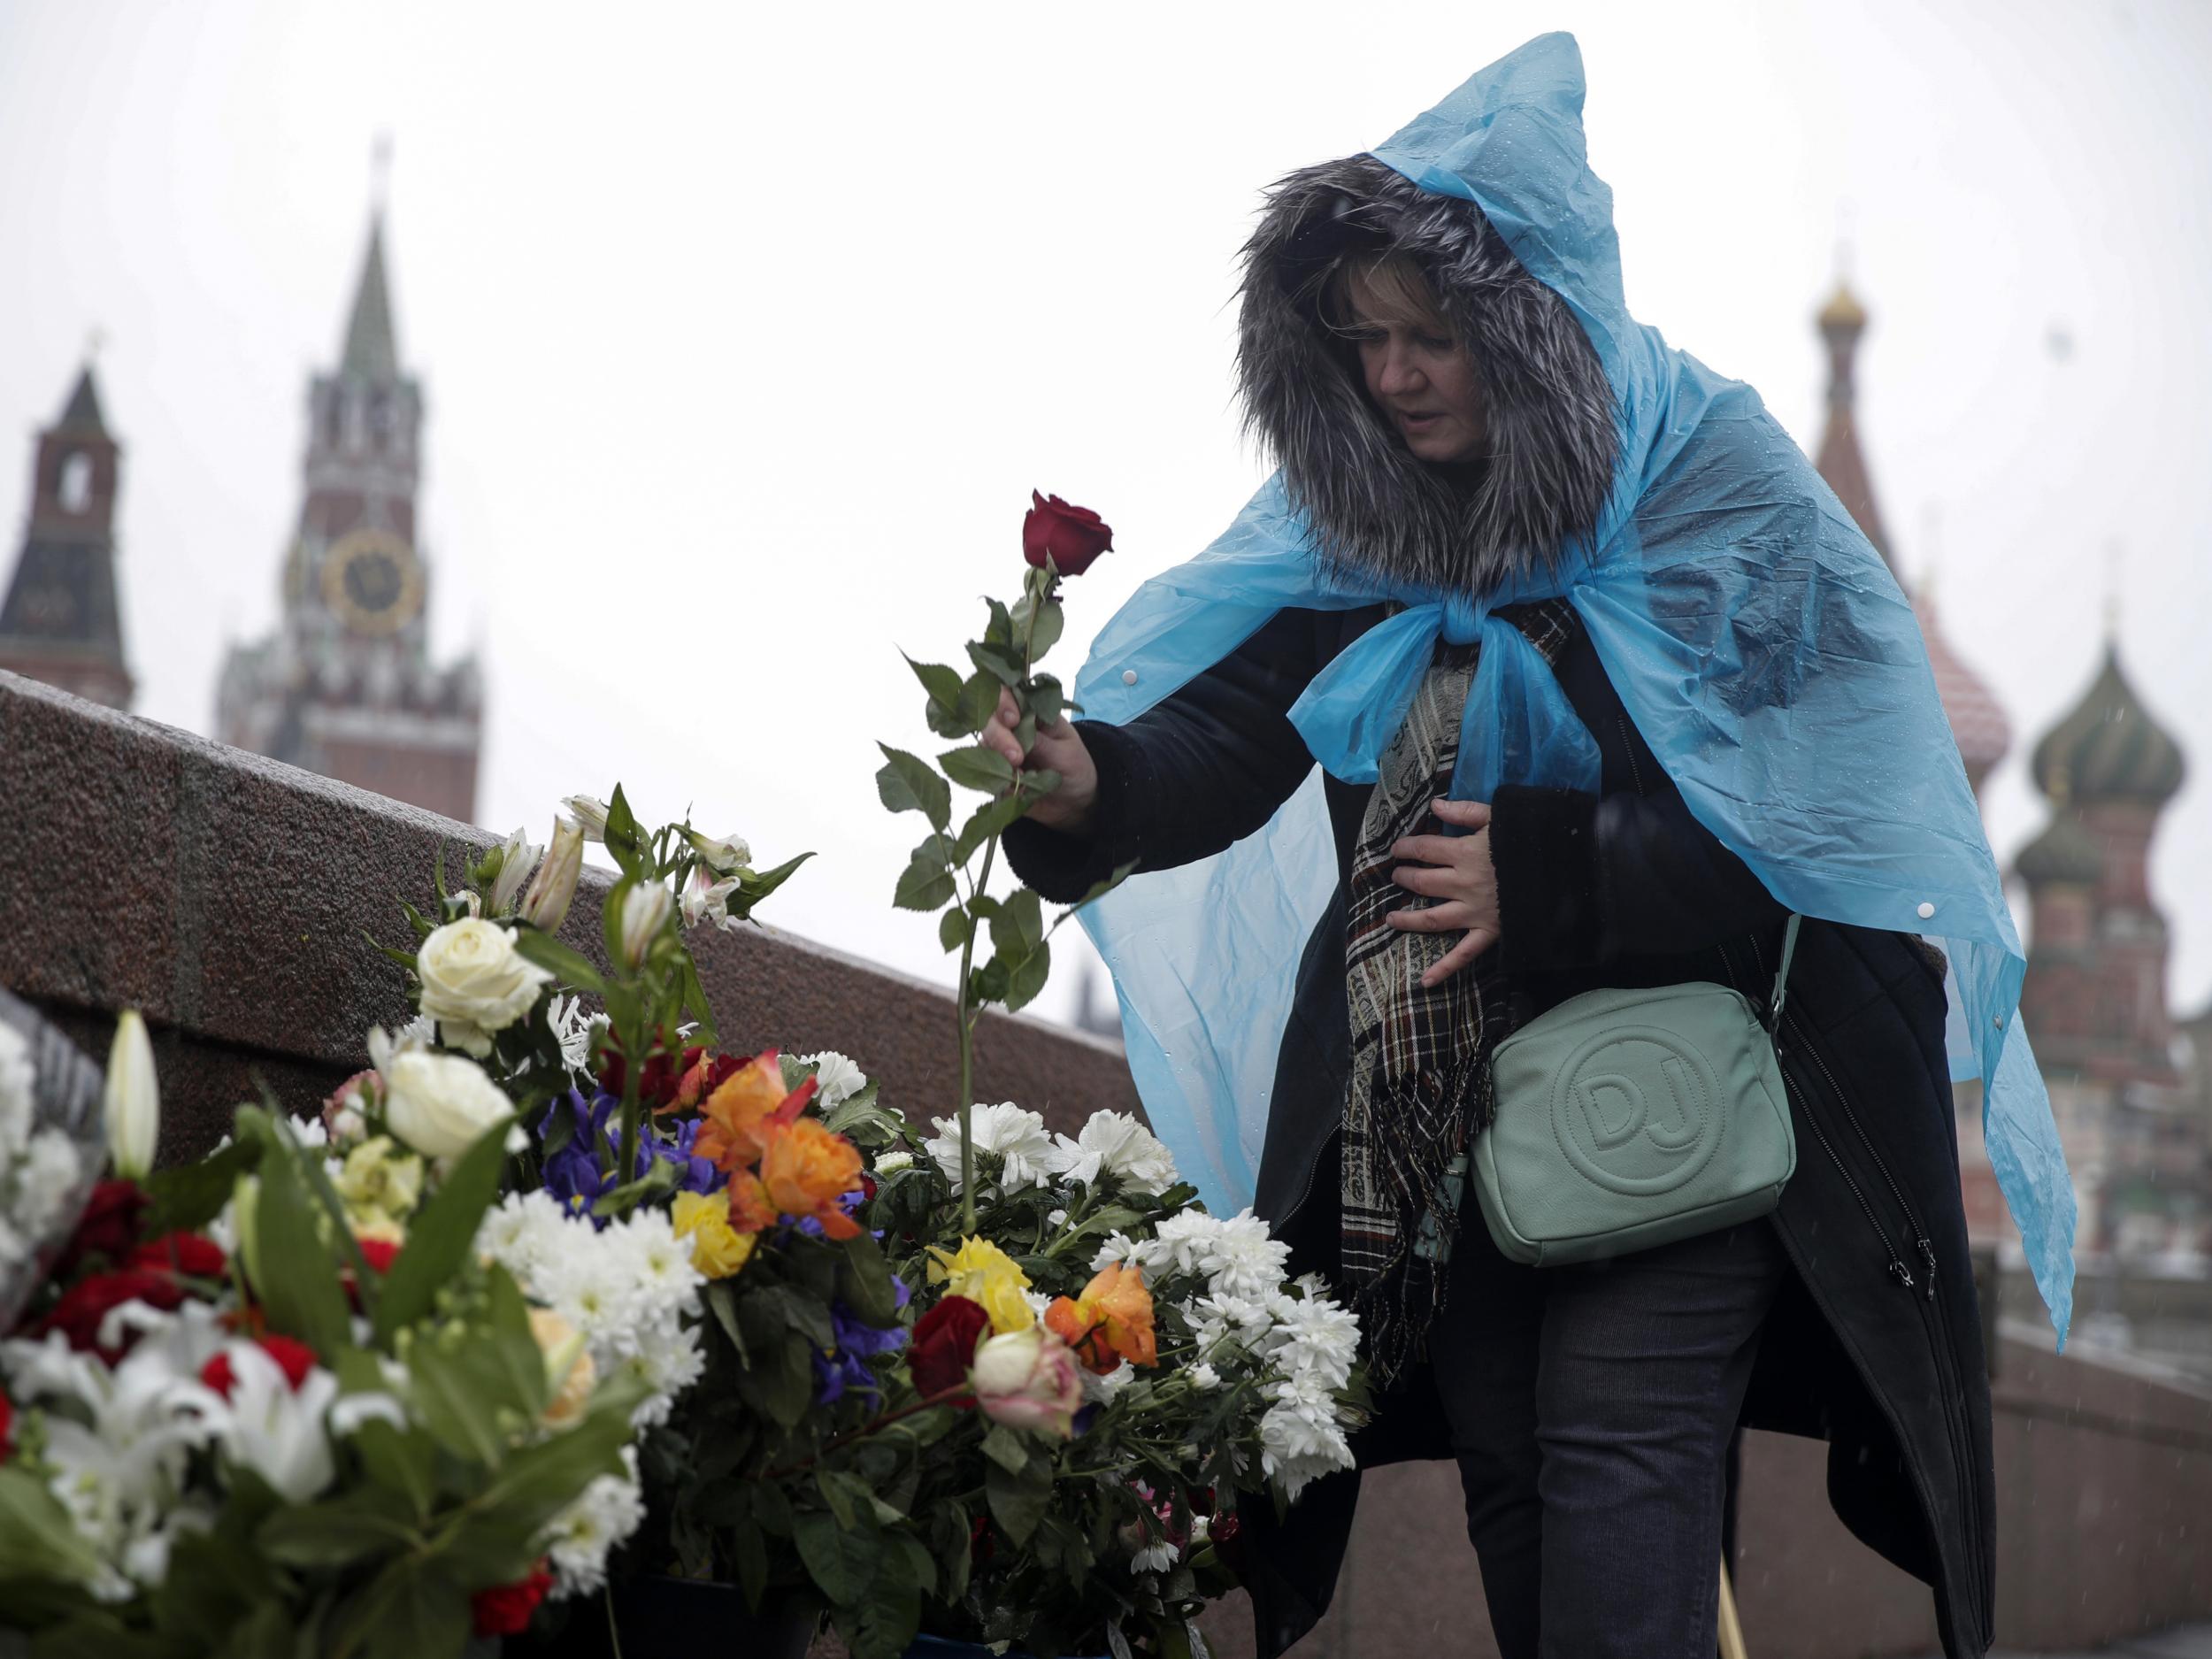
(1638, 1111)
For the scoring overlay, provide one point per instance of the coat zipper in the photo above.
(1897, 1268)
(1953, 1405)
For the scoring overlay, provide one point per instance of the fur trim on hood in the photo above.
(1373, 506)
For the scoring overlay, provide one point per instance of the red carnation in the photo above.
(1071, 536)
(505, 1610)
(294, 1358)
(185, 1253)
(77, 1316)
(377, 1253)
(943, 1346)
(109, 1226)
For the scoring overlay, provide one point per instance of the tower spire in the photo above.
(1841, 461)
(371, 349)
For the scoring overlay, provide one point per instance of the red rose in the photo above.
(7, 1426)
(294, 1359)
(660, 1079)
(77, 1316)
(1071, 536)
(109, 1226)
(185, 1252)
(505, 1610)
(1227, 1534)
(943, 1346)
(704, 1076)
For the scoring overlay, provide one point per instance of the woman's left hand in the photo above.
(1454, 870)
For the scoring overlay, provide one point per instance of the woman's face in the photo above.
(1422, 382)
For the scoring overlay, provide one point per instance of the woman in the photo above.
(1602, 685)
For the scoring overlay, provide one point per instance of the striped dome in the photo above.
(1978, 719)
(2110, 748)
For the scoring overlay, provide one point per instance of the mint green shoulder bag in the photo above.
(1628, 1118)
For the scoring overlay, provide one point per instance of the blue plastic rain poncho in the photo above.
(1759, 641)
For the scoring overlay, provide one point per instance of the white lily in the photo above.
(133, 1098)
(644, 909)
(590, 813)
(271, 1427)
(518, 858)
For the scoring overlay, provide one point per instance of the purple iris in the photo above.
(845, 1365)
(574, 1175)
(699, 1175)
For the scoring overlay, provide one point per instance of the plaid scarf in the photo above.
(1420, 1057)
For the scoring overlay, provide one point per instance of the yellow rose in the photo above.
(568, 1368)
(987, 1276)
(717, 1249)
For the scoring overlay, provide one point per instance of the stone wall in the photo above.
(229, 897)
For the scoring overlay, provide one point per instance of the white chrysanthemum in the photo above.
(1115, 1144)
(46, 1180)
(18, 1080)
(837, 1077)
(1005, 1129)
(1203, 1377)
(1245, 1261)
(1100, 1390)
(1316, 1340)
(646, 1243)
(1300, 1441)
(666, 1368)
(1220, 1317)
(1185, 1243)
(1121, 1249)
(593, 1295)
(892, 1162)
(524, 1233)
(14, 1248)
(585, 1533)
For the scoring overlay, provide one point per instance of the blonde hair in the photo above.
(1397, 291)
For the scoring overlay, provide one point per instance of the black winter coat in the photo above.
(1875, 1345)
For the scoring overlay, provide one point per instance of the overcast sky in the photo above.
(746, 331)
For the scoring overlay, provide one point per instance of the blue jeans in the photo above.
(1591, 1409)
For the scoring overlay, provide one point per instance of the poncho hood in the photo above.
(1756, 638)
(1374, 507)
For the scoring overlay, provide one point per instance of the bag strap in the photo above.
(1782, 974)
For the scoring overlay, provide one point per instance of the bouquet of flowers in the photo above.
(283, 1399)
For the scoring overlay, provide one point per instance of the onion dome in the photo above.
(1978, 719)
(2110, 748)
(2063, 852)
(1843, 310)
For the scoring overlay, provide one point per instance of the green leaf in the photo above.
(941, 683)
(1039, 625)
(624, 840)
(411, 1610)
(511, 1349)
(571, 968)
(37, 1537)
(300, 1289)
(443, 1387)
(977, 768)
(841, 1560)
(993, 817)
(1007, 1448)
(864, 1282)
(343, 1533)
(1003, 663)
(722, 1303)
(187, 1198)
(978, 701)
(1000, 631)
(988, 983)
(662, 1175)
(1026, 980)
(1047, 699)
(442, 1235)
(1018, 1499)
(890, 1616)
(400, 1460)
(908, 784)
(925, 885)
(954, 929)
(1019, 924)
(757, 885)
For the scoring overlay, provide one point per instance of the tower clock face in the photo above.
(372, 581)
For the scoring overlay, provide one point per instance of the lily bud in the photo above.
(546, 904)
(133, 1099)
(725, 855)
(516, 859)
(589, 812)
(644, 911)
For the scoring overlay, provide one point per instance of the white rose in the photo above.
(474, 982)
(441, 1104)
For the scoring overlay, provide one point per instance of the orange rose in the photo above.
(745, 1108)
(806, 1168)
(1110, 1322)
(749, 1209)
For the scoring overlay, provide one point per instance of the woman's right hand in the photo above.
(1057, 749)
